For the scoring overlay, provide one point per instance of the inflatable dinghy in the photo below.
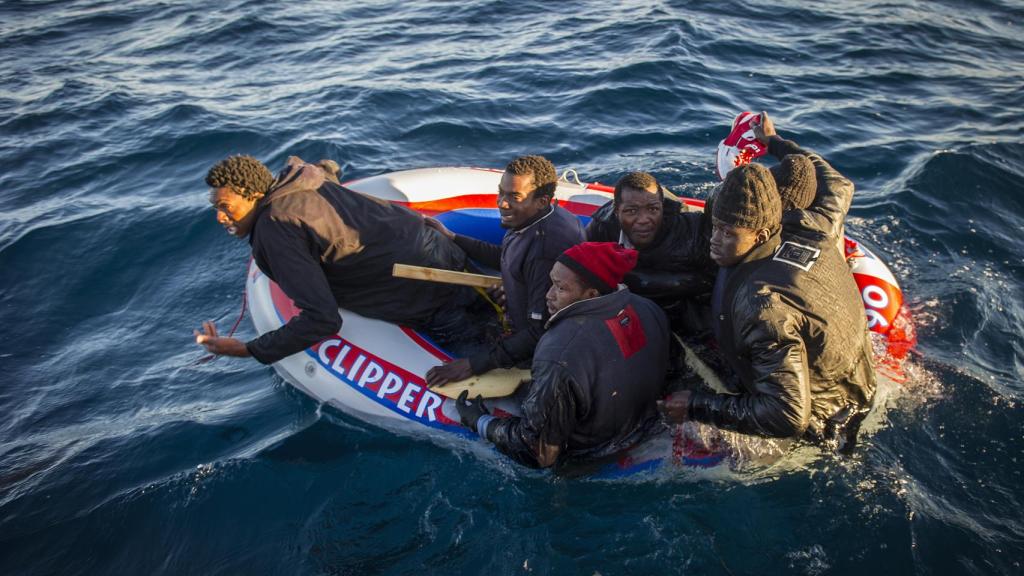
(375, 371)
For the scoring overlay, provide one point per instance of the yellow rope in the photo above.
(497, 309)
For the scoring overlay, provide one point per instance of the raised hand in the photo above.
(763, 130)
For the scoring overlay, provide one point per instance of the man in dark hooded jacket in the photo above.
(597, 371)
(537, 231)
(786, 313)
(327, 246)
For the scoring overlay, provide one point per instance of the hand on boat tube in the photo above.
(453, 371)
(763, 130)
(215, 344)
(470, 411)
(675, 409)
(437, 225)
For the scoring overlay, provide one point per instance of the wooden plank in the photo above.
(702, 369)
(493, 384)
(444, 276)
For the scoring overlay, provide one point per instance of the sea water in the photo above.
(121, 454)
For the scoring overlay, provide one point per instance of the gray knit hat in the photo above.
(795, 179)
(749, 199)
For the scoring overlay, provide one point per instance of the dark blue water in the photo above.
(120, 455)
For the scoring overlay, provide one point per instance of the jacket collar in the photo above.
(537, 219)
(596, 305)
(763, 251)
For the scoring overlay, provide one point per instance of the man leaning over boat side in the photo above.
(786, 313)
(328, 246)
(673, 268)
(537, 232)
(597, 371)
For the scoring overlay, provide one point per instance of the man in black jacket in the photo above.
(674, 268)
(327, 246)
(597, 371)
(786, 312)
(537, 233)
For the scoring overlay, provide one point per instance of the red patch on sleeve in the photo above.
(628, 331)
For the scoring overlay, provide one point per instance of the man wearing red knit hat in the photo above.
(597, 371)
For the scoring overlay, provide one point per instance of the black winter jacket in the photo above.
(525, 258)
(792, 326)
(677, 264)
(327, 246)
(597, 373)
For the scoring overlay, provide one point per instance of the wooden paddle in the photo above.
(445, 276)
(702, 369)
(493, 384)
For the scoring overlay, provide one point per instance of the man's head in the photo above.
(236, 183)
(745, 213)
(796, 182)
(526, 190)
(638, 206)
(588, 270)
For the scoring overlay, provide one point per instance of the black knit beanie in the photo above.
(795, 179)
(749, 199)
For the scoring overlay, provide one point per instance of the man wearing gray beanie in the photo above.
(786, 313)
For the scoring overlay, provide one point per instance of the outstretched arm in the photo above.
(219, 345)
(835, 192)
(292, 258)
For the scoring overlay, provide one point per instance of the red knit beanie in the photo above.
(602, 265)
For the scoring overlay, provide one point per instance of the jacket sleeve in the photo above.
(483, 252)
(778, 404)
(835, 191)
(550, 413)
(292, 256)
(519, 346)
(661, 284)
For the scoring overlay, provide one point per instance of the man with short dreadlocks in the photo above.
(327, 246)
(537, 231)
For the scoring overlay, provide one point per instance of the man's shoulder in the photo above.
(296, 207)
(555, 234)
(561, 342)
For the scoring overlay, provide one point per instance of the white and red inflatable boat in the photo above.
(375, 370)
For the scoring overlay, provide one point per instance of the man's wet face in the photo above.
(640, 214)
(234, 211)
(566, 288)
(517, 202)
(729, 244)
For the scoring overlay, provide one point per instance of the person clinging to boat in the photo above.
(327, 246)
(537, 232)
(597, 370)
(786, 312)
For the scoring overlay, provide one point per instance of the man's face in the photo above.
(517, 203)
(639, 213)
(729, 244)
(234, 211)
(566, 288)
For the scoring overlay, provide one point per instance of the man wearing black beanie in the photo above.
(787, 316)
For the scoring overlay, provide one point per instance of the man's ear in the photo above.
(763, 235)
(590, 293)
